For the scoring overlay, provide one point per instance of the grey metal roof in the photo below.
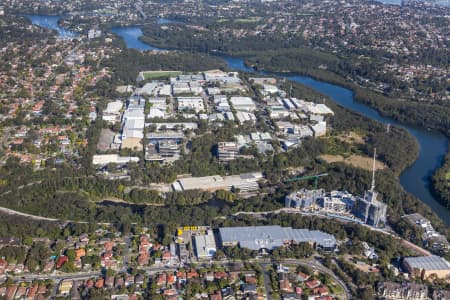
(270, 237)
(432, 262)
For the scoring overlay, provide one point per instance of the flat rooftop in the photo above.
(432, 262)
(270, 237)
(216, 182)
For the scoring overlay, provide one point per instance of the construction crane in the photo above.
(315, 177)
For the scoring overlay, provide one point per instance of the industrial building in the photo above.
(205, 245)
(112, 112)
(174, 125)
(227, 151)
(133, 122)
(319, 129)
(158, 102)
(243, 116)
(247, 182)
(181, 88)
(311, 107)
(271, 237)
(278, 112)
(219, 76)
(426, 266)
(104, 159)
(243, 104)
(165, 136)
(201, 238)
(191, 103)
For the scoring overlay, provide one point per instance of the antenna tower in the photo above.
(372, 188)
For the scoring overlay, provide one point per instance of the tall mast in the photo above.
(372, 188)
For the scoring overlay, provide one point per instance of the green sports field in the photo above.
(158, 74)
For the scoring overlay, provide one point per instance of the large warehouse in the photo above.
(271, 237)
(425, 266)
(246, 182)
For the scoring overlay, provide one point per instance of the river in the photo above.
(415, 179)
(51, 22)
(131, 36)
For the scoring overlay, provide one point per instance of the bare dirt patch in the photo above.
(105, 140)
(358, 161)
(351, 138)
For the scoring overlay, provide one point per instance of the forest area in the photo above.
(441, 182)
(127, 64)
(329, 68)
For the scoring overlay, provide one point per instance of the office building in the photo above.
(169, 149)
(227, 151)
(370, 210)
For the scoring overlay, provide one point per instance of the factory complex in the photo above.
(161, 117)
(243, 182)
(205, 241)
(271, 237)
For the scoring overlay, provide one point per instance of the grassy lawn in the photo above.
(335, 289)
(158, 74)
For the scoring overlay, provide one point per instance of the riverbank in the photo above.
(433, 145)
(422, 121)
(323, 67)
(441, 182)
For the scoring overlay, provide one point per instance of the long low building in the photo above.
(243, 182)
(104, 159)
(174, 125)
(271, 237)
(426, 266)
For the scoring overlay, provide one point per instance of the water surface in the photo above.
(51, 22)
(131, 36)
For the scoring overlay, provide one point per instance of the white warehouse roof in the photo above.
(270, 237)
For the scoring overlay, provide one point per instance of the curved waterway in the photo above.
(415, 179)
(130, 36)
(51, 22)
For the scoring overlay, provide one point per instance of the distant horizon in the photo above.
(398, 2)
